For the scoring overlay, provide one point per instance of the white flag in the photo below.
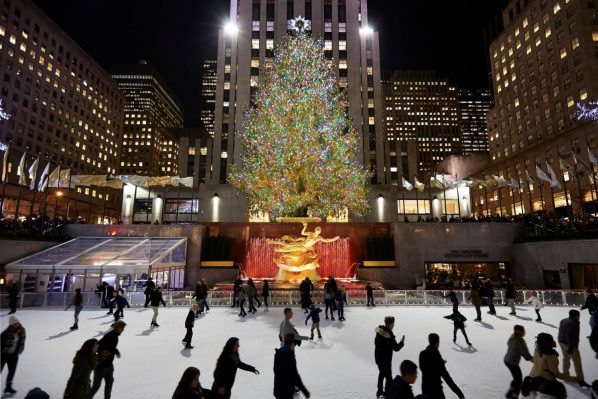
(44, 179)
(541, 175)
(554, 181)
(420, 186)
(406, 185)
(592, 158)
(33, 173)
(21, 171)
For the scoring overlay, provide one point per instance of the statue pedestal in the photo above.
(284, 275)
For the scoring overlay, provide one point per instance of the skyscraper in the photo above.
(473, 111)
(422, 116)
(151, 109)
(543, 63)
(247, 45)
(208, 95)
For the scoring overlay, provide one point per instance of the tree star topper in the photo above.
(300, 24)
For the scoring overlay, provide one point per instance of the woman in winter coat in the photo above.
(85, 361)
(536, 303)
(329, 300)
(189, 386)
(226, 368)
(517, 349)
(546, 364)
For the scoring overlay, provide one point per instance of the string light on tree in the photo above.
(300, 24)
(587, 111)
(300, 150)
(3, 114)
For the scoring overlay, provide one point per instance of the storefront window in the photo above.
(451, 207)
(183, 205)
(459, 275)
(411, 207)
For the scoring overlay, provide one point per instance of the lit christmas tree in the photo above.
(300, 151)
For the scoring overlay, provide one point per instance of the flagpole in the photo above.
(5, 178)
(513, 211)
(90, 201)
(178, 201)
(134, 199)
(404, 211)
(57, 190)
(147, 207)
(20, 190)
(458, 199)
(569, 210)
(104, 205)
(47, 187)
(430, 199)
(417, 201)
(486, 197)
(75, 204)
(68, 195)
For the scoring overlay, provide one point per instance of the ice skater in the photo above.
(13, 297)
(385, 344)
(569, 342)
(189, 323)
(198, 295)
(536, 304)
(458, 324)
(434, 371)
(453, 298)
(475, 297)
(252, 295)
(286, 327)
(189, 386)
(120, 302)
(241, 298)
(286, 376)
(85, 361)
(205, 306)
(77, 302)
(149, 286)
(314, 314)
(266, 294)
(517, 349)
(12, 344)
(236, 287)
(370, 295)
(401, 385)
(489, 291)
(155, 304)
(341, 300)
(511, 294)
(226, 368)
(107, 350)
(329, 300)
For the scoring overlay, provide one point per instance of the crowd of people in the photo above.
(93, 363)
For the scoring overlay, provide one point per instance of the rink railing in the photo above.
(573, 298)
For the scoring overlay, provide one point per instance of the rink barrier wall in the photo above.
(573, 298)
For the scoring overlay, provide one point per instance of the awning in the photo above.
(122, 255)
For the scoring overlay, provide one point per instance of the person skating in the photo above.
(198, 295)
(453, 298)
(77, 302)
(341, 300)
(84, 363)
(370, 295)
(434, 371)
(591, 304)
(401, 385)
(476, 300)
(107, 350)
(314, 314)
(265, 293)
(385, 344)
(241, 299)
(286, 375)
(189, 323)
(236, 286)
(13, 298)
(155, 304)
(329, 300)
(226, 368)
(251, 295)
(205, 306)
(458, 324)
(286, 327)
(306, 287)
(546, 364)
(108, 294)
(489, 291)
(511, 294)
(189, 386)
(569, 342)
(536, 304)
(12, 344)
(517, 349)
(149, 286)
(120, 302)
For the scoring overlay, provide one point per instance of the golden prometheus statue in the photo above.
(296, 257)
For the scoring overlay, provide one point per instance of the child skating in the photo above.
(314, 313)
(459, 324)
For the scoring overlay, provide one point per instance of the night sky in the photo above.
(177, 35)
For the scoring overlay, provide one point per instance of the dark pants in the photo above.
(538, 314)
(252, 308)
(433, 392)
(478, 312)
(491, 304)
(341, 309)
(148, 297)
(517, 378)
(12, 304)
(384, 372)
(371, 300)
(266, 301)
(455, 329)
(329, 305)
(188, 336)
(11, 360)
(235, 301)
(242, 312)
(455, 307)
(103, 373)
(204, 304)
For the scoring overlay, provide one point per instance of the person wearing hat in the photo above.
(107, 350)
(12, 345)
(569, 342)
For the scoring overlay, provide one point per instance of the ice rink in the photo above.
(340, 366)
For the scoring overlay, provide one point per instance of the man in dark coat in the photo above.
(150, 286)
(204, 292)
(489, 291)
(385, 344)
(12, 345)
(569, 342)
(107, 350)
(511, 294)
(13, 297)
(434, 371)
(401, 385)
(266, 293)
(198, 295)
(286, 376)
(591, 302)
(453, 298)
(108, 295)
(155, 302)
(189, 322)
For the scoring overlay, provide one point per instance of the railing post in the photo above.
(291, 298)
(425, 297)
(45, 299)
(64, 299)
(564, 296)
(385, 298)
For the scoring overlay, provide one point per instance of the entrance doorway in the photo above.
(458, 275)
(583, 275)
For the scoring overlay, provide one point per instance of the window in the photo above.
(184, 206)
(411, 207)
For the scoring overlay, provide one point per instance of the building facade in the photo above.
(64, 109)
(473, 113)
(247, 46)
(543, 63)
(151, 109)
(195, 154)
(208, 95)
(422, 117)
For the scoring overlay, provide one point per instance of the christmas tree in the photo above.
(300, 151)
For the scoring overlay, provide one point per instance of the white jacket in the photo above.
(536, 302)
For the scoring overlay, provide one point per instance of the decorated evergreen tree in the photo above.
(300, 151)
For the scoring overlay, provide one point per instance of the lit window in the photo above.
(595, 36)
(255, 44)
(223, 155)
(570, 101)
(583, 94)
(269, 44)
(557, 7)
(328, 45)
(255, 63)
(342, 45)
(575, 43)
(563, 53)
(547, 32)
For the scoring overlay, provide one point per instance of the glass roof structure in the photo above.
(119, 254)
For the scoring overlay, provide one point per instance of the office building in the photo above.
(208, 95)
(473, 110)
